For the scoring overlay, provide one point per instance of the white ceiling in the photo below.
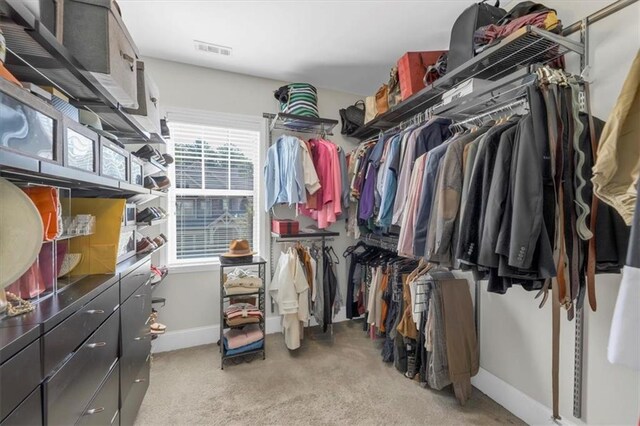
(341, 45)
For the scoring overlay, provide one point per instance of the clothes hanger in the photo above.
(353, 248)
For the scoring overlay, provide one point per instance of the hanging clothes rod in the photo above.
(303, 240)
(523, 101)
(598, 15)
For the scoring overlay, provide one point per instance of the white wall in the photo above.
(192, 307)
(515, 334)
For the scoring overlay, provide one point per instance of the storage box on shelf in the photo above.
(30, 125)
(41, 59)
(137, 174)
(95, 34)
(80, 146)
(148, 111)
(114, 161)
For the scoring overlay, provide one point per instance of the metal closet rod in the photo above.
(599, 15)
(510, 105)
(304, 240)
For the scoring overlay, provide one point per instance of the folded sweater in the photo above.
(246, 348)
(238, 337)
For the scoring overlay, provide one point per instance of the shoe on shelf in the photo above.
(161, 271)
(145, 245)
(157, 328)
(150, 183)
(164, 237)
(148, 214)
(148, 153)
(167, 158)
(164, 129)
(159, 241)
(162, 182)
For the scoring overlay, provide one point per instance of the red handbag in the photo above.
(30, 284)
(412, 68)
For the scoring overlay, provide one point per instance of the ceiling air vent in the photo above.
(215, 49)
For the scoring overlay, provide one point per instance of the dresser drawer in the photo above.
(104, 407)
(60, 342)
(134, 279)
(131, 404)
(71, 388)
(135, 313)
(19, 376)
(136, 335)
(29, 413)
(133, 358)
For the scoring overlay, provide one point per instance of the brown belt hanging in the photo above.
(591, 258)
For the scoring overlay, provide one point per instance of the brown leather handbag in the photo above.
(394, 88)
(382, 99)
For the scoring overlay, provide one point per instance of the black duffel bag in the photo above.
(352, 118)
(461, 47)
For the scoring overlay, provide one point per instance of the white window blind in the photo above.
(214, 189)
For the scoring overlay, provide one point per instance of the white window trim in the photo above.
(218, 119)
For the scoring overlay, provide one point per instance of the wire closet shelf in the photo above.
(524, 47)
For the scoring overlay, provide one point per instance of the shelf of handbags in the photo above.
(527, 45)
(242, 309)
(35, 55)
(65, 240)
(300, 123)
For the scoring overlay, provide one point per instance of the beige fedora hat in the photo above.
(21, 233)
(239, 248)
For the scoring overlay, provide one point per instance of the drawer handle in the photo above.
(139, 295)
(96, 345)
(95, 410)
(129, 59)
(141, 337)
(94, 311)
(139, 380)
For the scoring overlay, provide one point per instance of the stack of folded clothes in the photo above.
(242, 313)
(241, 281)
(239, 340)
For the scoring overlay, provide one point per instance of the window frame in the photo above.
(224, 120)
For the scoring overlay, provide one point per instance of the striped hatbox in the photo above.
(302, 100)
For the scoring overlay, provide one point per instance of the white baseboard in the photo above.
(517, 402)
(197, 336)
(180, 339)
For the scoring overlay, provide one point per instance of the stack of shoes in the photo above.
(240, 340)
(146, 244)
(158, 274)
(241, 281)
(160, 183)
(239, 314)
(156, 327)
(149, 153)
(150, 213)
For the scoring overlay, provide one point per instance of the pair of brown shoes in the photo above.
(146, 244)
(157, 182)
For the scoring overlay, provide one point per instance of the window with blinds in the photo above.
(214, 189)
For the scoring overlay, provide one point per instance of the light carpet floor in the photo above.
(327, 381)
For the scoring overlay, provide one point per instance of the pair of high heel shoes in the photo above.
(156, 327)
